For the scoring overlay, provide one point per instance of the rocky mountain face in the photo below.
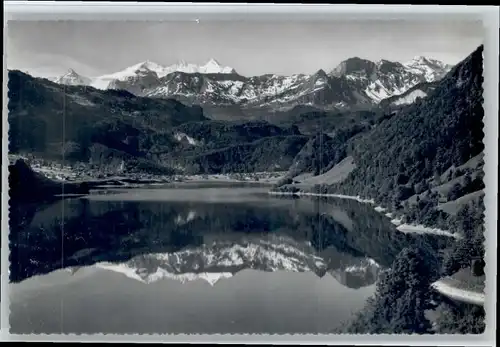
(385, 79)
(353, 82)
(71, 78)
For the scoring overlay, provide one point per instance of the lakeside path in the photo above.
(467, 296)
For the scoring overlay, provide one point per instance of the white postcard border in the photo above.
(489, 15)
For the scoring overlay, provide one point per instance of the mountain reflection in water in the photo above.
(190, 235)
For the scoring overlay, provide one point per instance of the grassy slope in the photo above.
(335, 175)
(474, 165)
(452, 207)
(464, 279)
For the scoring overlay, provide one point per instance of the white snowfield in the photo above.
(410, 98)
(462, 295)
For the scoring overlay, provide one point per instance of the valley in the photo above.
(405, 137)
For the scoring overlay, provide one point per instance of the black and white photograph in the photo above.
(244, 177)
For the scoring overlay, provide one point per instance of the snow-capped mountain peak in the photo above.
(384, 78)
(131, 71)
(147, 65)
(419, 58)
(149, 68)
(213, 66)
(354, 81)
(430, 69)
(72, 78)
(212, 62)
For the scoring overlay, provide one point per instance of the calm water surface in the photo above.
(196, 259)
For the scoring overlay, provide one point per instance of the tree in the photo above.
(396, 205)
(401, 297)
(478, 267)
(467, 181)
(441, 160)
(421, 187)
(469, 223)
(451, 175)
(460, 319)
(437, 178)
(455, 192)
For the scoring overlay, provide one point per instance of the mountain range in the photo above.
(353, 82)
(115, 128)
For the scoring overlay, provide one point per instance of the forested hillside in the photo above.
(219, 134)
(401, 298)
(322, 151)
(114, 131)
(312, 122)
(421, 90)
(82, 124)
(268, 154)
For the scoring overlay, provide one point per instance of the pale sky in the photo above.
(94, 48)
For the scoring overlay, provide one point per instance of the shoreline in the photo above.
(404, 228)
(255, 178)
(134, 182)
(60, 176)
(340, 196)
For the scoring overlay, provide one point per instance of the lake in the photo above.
(196, 259)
